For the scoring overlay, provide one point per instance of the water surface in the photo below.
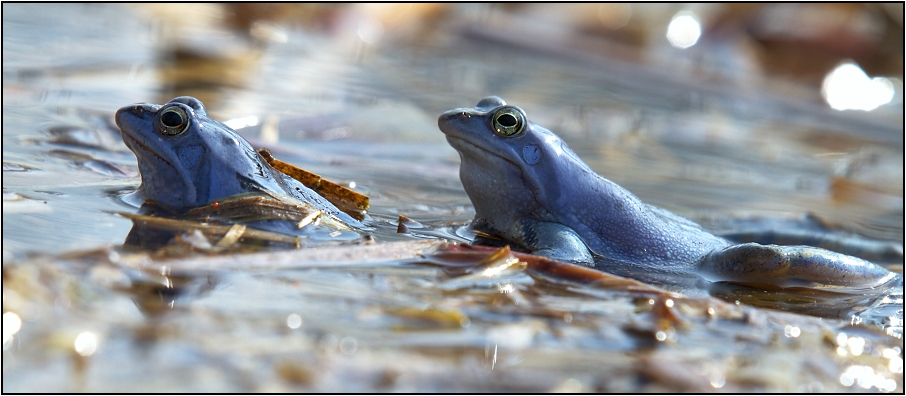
(364, 114)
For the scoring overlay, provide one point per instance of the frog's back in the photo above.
(614, 223)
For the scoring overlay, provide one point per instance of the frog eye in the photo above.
(173, 121)
(509, 121)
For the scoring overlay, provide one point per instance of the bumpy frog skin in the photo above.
(531, 190)
(187, 159)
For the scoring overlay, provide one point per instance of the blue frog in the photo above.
(187, 160)
(532, 191)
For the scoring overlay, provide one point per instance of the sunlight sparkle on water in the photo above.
(293, 321)
(717, 380)
(847, 87)
(241, 122)
(11, 326)
(841, 339)
(895, 365)
(856, 345)
(86, 343)
(865, 377)
(497, 269)
(684, 30)
(370, 30)
(791, 331)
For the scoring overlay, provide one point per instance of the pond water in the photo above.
(356, 101)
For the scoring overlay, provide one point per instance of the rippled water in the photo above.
(366, 114)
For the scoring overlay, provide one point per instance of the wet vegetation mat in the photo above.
(439, 317)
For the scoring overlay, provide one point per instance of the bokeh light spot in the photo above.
(348, 345)
(293, 321)
(684, 30)
(11, 326)
(847, 87)
(86, 343)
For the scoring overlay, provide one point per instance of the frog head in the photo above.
(186, 159)
(512, 169)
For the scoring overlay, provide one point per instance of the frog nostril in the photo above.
(138, 111)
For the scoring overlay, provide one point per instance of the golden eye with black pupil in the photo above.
(172, 121)
(509, 121)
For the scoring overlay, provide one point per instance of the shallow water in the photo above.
(712, 147)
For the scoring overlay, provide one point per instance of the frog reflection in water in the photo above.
(187, 159)
(532, 191)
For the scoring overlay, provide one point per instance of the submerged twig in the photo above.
(211, 229)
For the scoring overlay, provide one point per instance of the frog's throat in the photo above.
(458, 143)
(148, 155)
(529, 181)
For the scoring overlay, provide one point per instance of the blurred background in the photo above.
(713, 111)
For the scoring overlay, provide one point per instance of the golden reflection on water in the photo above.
(571, 385)
(614, 16)
(498, 268)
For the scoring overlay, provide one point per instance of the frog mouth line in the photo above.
(470, 144)
(147, 149)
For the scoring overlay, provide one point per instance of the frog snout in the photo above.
(123, 112)
(448, 118)
(137, 111)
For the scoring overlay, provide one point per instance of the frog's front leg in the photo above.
(558, 242)
(774, 264)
